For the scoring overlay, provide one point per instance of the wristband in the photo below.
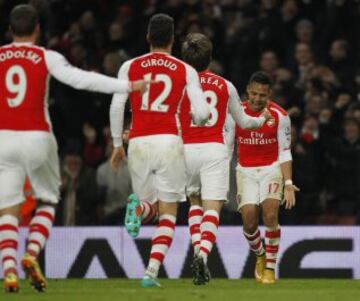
(288, 182)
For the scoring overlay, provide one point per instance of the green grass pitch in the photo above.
(184, 290)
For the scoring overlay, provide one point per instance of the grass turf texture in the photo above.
(184, 290)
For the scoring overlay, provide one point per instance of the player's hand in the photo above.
(266, 113)
(117, 156)
(289, 195)
(141, 85)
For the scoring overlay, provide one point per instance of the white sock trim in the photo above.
(212, 212)
(169, 217)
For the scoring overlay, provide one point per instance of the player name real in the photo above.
(256, 139)
(211, 81)
(159, 62)
(23, 54)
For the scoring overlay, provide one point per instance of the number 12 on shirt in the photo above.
(157, 105)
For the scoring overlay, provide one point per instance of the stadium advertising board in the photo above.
(101, 252)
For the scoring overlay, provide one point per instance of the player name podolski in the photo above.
(23, 54)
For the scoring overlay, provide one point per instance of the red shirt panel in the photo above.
(23, 88)
(217, 95)
(155, 111)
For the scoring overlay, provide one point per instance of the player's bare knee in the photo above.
(167, 208)
(270, 218)
(250, 227)
(213, 205)
(250, 222)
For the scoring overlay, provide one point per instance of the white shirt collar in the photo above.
(22, 43)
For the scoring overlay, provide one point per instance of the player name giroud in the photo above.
(20, 54)
(159, 62)
(256, 141)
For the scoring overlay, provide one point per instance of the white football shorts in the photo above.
(256, 184)
(157, 168)
(31, 154)
(207, 170)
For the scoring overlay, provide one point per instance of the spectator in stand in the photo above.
(357, 86)
(114, 188)
(345, 155)
(115, 36)
(112, 62)
(93, 152)
(286, 94)
(79, 201)
(307, 170)
(355, 109)
(340, 110)
(341, 64)
(290, 14)
(304, 30)
(303, 33)
(315, 103)
(269, 63)
(328, 81)
(88, 28)
(304, 63)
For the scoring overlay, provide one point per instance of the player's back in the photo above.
(154, 112)
(23, 88)
(217, 94)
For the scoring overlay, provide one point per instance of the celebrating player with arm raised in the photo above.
(206, 155)
(28, 147)
(264, 175)
(156, 153)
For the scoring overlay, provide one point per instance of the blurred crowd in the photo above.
(310, 48)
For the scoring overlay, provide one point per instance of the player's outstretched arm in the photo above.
(117, 109)
(64, 72)
(229, 134)
(237, 111)
(285, 159)
(199, 107)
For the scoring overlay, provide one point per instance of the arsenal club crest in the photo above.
(271, 122)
